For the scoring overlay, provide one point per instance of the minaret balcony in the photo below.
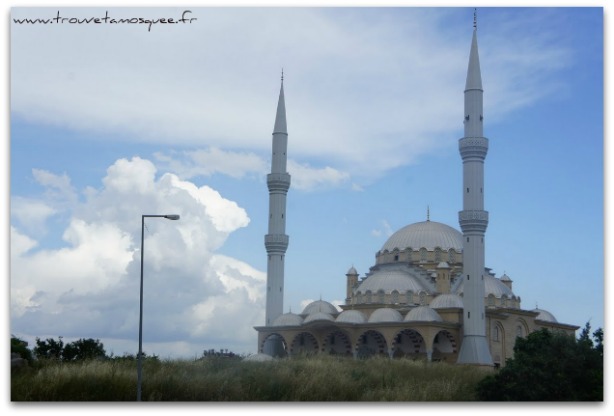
(473, 148)
(278, 182)
(276, 243)
(473, 221)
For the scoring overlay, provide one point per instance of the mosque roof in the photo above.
(427, 234)
(492, 286)
(389, 280)
(288, 319)
(544, 315)
(351, 316)
(424, 314)
(319, 316)
(385, 315)
(352, 270)
(505, 278)
(447, 300)
(320, 306)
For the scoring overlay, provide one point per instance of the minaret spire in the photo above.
(473, 218)
(276, 241)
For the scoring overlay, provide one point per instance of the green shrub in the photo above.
(549, 366)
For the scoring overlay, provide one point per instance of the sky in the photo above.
(109, 122)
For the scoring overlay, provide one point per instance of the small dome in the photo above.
(447, 300)
(505, 278)
(443, 265)
(424, 314)
(389, 280)
(319, 316)
(385, 315)
(352, 317)
(320, 306)
(352, 271)
(427, 234)
(288, 319)
(544, 315)
(492, 286)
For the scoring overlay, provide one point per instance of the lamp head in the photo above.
(172, 217)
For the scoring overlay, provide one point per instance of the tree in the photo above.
(83, 349)
(19, 346)
(549, 366)
(49, 349)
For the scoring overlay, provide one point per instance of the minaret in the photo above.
(473, 219)
(276, 241)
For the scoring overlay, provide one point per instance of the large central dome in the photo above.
(427, 234)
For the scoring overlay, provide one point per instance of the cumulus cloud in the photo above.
(90, 286)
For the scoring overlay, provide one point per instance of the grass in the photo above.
(321, 378)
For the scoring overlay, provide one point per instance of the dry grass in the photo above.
(322, 378)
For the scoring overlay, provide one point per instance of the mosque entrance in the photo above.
(371, 343)
(337, 343)
(304, 344)
(275, 346)
(444, 347)
(409, 344)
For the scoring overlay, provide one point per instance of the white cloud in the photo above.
(367, 90)
(206, 162)
(304, 177)
(57, 187)
(240, 164)
(31, 214)
(89, 287)
(384, 230)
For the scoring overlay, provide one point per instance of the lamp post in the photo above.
(140, 358)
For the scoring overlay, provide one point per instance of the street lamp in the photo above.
(140, 358)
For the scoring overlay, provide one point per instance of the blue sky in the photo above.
(108, 122)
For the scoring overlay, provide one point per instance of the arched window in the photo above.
(410, 296)
(423, 254)
(437, 254)
(519, 331)
(422, 298)
(495, 334)
(504, 301)
(358, 297)
(381, 297)
(451, 256)
(491, 300)
(395, 296)
(368, 295)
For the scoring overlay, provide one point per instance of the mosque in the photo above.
(429, 295)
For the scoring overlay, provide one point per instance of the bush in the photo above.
(19, 346)
(82, 349)
(549, 366)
